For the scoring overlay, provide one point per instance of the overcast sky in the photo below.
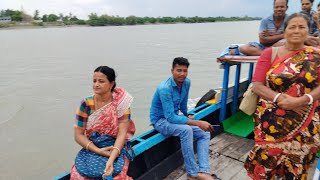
(151, 8)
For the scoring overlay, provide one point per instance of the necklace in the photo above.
(98, 104)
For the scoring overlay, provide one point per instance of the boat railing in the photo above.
(150, 138)
(226, 62)
(226, 95)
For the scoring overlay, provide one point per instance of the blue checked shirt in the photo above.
(169, 100)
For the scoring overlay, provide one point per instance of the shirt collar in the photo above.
(173, 83)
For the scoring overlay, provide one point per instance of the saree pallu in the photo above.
(286, 143)
(105, 121)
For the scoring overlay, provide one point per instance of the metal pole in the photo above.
(236, 89)
(250, 73)
(224, 94)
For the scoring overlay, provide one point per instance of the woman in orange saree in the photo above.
(286, 121)
(107, 112)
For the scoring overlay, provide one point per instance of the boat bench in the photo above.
(151, 138)
(147, 140)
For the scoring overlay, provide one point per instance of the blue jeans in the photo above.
(187, 133)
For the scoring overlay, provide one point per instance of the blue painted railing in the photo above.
(151, 138)
(224, 94)
(225, 84)
(141, 143)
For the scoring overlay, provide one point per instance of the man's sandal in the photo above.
(215, 177)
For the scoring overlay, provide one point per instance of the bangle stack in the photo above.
(276, 98)
(310, 98)
(87, 146)
(116, 149)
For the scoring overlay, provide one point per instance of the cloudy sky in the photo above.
(151, 8)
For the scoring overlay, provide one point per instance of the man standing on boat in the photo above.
(271, 31)
(168, 115)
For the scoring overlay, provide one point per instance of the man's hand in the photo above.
(312, 41)
(265, 33)
(204, 125)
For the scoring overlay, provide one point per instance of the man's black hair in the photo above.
(180, 61)
(310, 1)
(274, 1)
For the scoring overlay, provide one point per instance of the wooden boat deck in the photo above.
(227, 155)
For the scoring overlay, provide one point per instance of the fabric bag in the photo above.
(92, 165)
(249, 102)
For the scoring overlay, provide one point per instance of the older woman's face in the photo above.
(296, 31)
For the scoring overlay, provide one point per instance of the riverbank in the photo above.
(32, 26)
(16, 25)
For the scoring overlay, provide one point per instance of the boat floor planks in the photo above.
(227, 155)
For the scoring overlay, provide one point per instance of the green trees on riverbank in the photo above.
(106, 20)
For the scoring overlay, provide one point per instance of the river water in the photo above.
(46, 72)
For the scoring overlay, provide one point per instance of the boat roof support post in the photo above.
(224, 94)
(250, 73)
(236, 89)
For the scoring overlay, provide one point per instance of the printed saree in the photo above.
(105, 121)
(286, 143)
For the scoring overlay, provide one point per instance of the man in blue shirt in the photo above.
(168, 115)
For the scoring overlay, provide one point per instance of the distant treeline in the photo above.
(106, 20)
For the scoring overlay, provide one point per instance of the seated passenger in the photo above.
(168, 115)
(270, 31)
(102, 119)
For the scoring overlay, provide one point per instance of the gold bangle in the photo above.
(116, 149)
(87, 146)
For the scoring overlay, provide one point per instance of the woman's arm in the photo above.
(315, 93)
(118, 145)
(263, 91)
(82, 140)
(289, 103)
(284, 101)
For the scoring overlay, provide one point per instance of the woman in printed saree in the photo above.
(101, 117)
(286, 120)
